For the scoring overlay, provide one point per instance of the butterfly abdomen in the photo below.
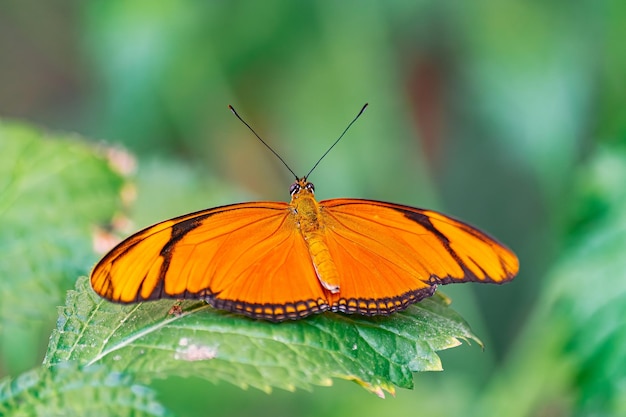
(308, 220)
(325, 268)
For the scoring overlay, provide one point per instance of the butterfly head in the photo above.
(301, 187)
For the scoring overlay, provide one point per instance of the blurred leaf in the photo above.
(53, 191)
(168, 74)
(190, 188)
(611, 88)
(68, 390)
(572, 356)
(600, 195)
(589, 289)
(146, 340)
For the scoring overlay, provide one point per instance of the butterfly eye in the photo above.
(310, 187)
(295, 187)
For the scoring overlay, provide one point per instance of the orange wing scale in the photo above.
(252, 259)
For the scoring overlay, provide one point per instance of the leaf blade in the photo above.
(54, 190)
(68, 389)
(146, 340)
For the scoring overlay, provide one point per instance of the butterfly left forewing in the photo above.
(247, 258)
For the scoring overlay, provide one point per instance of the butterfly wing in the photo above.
(248, 258)
(389, 256)
(252, 259)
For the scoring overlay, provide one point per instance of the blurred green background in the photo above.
(510, 115)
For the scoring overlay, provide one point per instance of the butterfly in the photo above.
(277, 261)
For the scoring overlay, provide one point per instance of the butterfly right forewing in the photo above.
(390, 255)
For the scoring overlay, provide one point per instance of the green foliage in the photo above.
(54, 190)
(46, 211)
(148, 341)
(69, 390)
(588, 296)
(575, 337)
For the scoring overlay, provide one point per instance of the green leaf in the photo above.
(589, 288)
(69, 390)
(149, 342)
(53, 191)
(572, 355)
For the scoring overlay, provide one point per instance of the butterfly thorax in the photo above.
(305, 208)
(308, 220)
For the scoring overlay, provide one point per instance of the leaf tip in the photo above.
(378, 390)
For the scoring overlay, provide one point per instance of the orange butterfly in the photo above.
(278, 261)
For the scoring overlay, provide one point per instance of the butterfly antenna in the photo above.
(262, 141)
(338, 139)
